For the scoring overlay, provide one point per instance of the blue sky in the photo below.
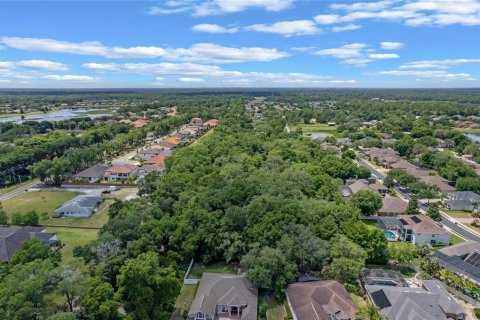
(239, 43)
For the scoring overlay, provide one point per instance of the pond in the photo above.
(317, 135)
(64, 114)
(473, 136)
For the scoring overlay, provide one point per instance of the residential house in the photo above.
(421, 172)
(93, 174)
(120, 172)
(430, 302)
(174, 140)
(151, 152)
(212, 123)
(320, 300)
(421, 229)
(158, 168)
(354, 186)
(224, 296)
(196, 122)
(80, 206)
(158, 159)
(462, 259)
(11, 239)
(392, 207)
(462, 200)
(385, 156)
(402, 164)
(161, 144)
(139, 123)
(438, 182)
(189, 132)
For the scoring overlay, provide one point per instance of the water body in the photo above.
(317, 135)
(473, 136)
(64, 114)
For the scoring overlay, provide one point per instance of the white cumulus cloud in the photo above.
(391, 45)
(287, 28)
(191, 80)
(213, 28)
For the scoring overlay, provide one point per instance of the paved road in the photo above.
(446, 221)
(18, 191)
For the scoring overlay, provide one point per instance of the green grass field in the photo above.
(314, 128)
(218, 267)
(40, 201)
(458, 214)
(70, 239)
(454, 239)
(11, 188)
(184, 300)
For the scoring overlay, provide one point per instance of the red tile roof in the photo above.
(121, 168)
(156, 159)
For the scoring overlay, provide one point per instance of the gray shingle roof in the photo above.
(93, 172)
(11, 239)
(225, 289)
(462, 258)
(400, 303)
(81, 204)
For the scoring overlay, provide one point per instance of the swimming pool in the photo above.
(391, 236)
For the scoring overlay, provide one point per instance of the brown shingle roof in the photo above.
(424, 224)
(318, 300)
(393, 205)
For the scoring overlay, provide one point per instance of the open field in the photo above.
(218, 267)
(70, 239)
(40, 201)
(123, 194)
(458, 214)
(11, 188)
(314, 128)
(184, 300)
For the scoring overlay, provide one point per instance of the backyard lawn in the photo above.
(218, 267)
(370, 222)
(40, 201)
(70, 239)
(184, 300)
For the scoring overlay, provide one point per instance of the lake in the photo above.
(473, 136)
(64, 114)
